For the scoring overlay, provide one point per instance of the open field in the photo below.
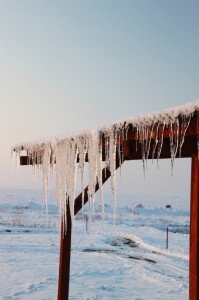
(125, 261)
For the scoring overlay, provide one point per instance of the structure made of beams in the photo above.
(155, 138)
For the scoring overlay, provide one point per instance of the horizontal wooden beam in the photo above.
(133, 149)
(131, 146)
(192, 129)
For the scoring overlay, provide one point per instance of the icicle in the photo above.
(112, 159)
(174, 136)
(92, 150)
(171, 144)
(118, 147)
(46, 173)
(142, 141)
(71, 180)
(155, 141)
(122, 145)
(59, 174)
(106, 140)
(149, 143)
(124, 128)
(34, 165)
(160, 143)
(184, 125)
(99, 176)
(127, 129)
(15, 156)
(82, 154)
(137, 137)
(176, 126)
(146, 144)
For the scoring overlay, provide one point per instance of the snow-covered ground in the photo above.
(128, 260)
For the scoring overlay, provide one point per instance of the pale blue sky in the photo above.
(71, 65)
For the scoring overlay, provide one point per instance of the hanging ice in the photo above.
(65, 154)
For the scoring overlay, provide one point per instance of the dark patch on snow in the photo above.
(142, 258)
(168, 206)
(174, 228)
(8, 230)
(149, 260)
(134, 257)
(156, 252)
(123, 241)
(184, 229)
(99, 250)
(129, 242)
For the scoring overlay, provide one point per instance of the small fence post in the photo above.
(167, 238)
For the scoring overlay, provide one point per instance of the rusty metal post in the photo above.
(194, 232)
(64, 263)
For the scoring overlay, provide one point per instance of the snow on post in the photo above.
(64, 154)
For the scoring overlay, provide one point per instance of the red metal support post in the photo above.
(194, 231)
(64, 264)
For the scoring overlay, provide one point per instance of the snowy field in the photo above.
(125, 261)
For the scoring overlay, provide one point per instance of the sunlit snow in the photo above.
(127, 261)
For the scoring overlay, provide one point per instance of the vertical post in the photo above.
(167, 238)
(194, 232)
(64, 263)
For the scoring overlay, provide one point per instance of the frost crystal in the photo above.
(66, 154)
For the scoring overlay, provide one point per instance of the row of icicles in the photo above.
(69, 155)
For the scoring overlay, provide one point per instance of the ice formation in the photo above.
(101, 148)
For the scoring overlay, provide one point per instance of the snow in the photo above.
(125, 261)
(61, 153)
